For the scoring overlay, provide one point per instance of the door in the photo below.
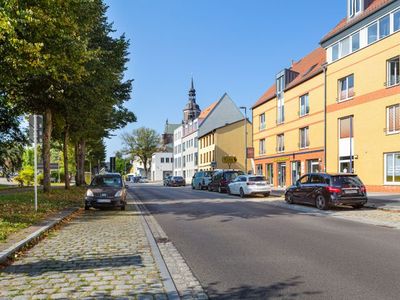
(300, 189)
(317, 182)
(296, 171)
(282, 174)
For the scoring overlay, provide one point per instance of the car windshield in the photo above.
(107, 181)
(232, 175)
(207, 174)
(346, 180)
(178, 178)
(257, 178)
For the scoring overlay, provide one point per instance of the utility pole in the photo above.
(35, 157)
(245, 137)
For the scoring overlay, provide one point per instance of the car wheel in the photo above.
(320, 202)
(209, 188)
(192, 187)
(358, 206)
(241, 192)
(266, 195)
(228, 190)
(289, 199)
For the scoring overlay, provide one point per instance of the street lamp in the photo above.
(245, 137)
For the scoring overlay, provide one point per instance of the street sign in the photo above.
(53, 166)
(112, 164)
(250, 152)
(39, 128)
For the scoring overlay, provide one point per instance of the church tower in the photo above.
(192, 109)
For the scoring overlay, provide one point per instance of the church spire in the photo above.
(192, 92)
(191, 110)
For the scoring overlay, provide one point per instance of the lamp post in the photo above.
(245, 137)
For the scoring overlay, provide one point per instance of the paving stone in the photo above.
(91, 257)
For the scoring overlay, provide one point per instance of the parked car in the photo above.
(325, 190)
(143, 180)
(167, 180)
(201, 179)
(106, 190)
(177, 181)
(245, 185)
(221, 178)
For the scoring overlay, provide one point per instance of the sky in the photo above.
(233, 46)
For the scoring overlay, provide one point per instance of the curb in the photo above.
(7, 253)
(168, 282)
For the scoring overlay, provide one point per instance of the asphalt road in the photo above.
(250, 250)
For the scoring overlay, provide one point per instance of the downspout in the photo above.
(324, 67)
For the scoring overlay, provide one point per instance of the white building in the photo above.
(190, 150)
(185, 139)
(161, 165)
(178, 171)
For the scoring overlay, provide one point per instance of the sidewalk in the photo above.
(100, 254)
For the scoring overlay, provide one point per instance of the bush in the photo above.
(19, 179)
(40, 178)
(27, 175)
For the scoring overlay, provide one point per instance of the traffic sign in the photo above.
(39, 128)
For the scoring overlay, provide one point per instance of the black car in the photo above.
(221, 179)
(325, 190)
(167, 180)
(176, 181)
(106, 190)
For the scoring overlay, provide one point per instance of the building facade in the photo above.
(363, 94)
(222, 133)
(338, 108)
(178, 151)
(161, 165)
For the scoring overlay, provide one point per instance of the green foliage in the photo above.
(40, 178)
(143, 143)
(27, 175)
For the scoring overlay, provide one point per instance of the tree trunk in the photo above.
(146, 171)
(77, 173)
(81, 157)
(47, 127)
(65, 150)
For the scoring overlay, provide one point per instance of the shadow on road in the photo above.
(278, 290)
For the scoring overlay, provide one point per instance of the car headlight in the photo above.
(89, 193)
(118, 194)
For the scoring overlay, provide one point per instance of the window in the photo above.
(354, 7)
(262, 121)
(396, 20)
(172, 159)
(392, 168)
(167, 160)
(304, 137)
(281, 109)
(393, 71)
(393, 119)
(372, 33)
(304, 179)
(162, 159)
(355, 42)
(304, 105)
(259, 170)
(346, 127)
(345, 47)
(280, 142)
(313, 166)
(346, 88)
(335, 52)
(262, 146)
(384, 27)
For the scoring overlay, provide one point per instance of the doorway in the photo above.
(296, 171)
(281, 174)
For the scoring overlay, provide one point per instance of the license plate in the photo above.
(351, 191)
(103, 201)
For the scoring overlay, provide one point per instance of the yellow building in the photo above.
(351, 84)
(222, 133)
(288, 122)
(363, 95)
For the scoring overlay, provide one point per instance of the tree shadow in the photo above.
(74, 264)
(285, 289)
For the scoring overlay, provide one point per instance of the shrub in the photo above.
(19, 179)
(27, 175)
(40, 178)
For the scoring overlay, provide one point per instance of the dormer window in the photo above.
(355, 7)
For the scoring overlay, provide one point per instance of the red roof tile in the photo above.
(206, 111)
(307, 67)
(371, 7)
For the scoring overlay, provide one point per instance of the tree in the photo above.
(143, 143)
(12, 138)
(44, 48)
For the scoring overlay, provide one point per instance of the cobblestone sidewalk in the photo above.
(101, 254)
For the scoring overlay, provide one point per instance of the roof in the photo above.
(307, 67)
(169, 128)
(207, 110)
(371, 7)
